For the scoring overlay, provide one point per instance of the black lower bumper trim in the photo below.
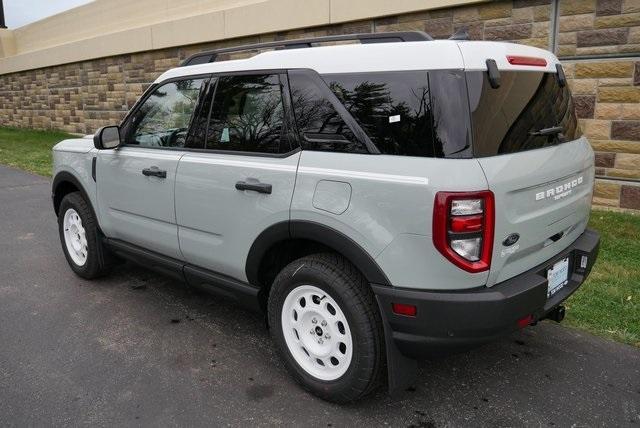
(449, 321)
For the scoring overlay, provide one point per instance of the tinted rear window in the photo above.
(393, 108)
(504, 118)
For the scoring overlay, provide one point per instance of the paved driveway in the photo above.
(137, 348)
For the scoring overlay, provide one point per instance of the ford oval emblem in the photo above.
(511, 239)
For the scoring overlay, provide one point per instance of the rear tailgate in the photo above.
(542, 195)
(526, 139)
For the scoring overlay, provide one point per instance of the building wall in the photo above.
(597, 40)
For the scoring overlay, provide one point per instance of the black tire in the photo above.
(95, 265)
(341, 281)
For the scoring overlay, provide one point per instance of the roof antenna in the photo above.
(460, 34)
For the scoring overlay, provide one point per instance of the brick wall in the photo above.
(598, 41)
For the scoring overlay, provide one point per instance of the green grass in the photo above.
(28, 149)
(608, 304)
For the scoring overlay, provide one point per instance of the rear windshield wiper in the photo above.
(547, 131)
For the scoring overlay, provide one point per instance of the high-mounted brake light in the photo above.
(463, 224)
(526, 60)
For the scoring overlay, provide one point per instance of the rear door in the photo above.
(136, 181)
(540, 170)
(242, 179)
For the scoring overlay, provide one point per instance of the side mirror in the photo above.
(107, 137)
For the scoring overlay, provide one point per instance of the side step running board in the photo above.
(211, 282)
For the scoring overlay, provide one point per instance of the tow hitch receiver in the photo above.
(557, 314)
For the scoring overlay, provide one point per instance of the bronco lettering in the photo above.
(560, 191)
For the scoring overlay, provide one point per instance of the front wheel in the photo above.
(326, 324)
(80, 237)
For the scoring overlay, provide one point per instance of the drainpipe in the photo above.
(2, 24)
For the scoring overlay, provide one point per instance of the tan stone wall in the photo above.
(104, 28)
(606, 91)
(82, 96)
(593, 27)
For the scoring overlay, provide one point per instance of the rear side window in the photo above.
(320, 125)
(506, 119)
(247, 115)
(393, 108)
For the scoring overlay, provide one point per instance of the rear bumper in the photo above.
(450, 321)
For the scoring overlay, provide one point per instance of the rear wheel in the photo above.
(325, 322)
(79, 236)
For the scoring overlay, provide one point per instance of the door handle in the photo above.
(256, 187)
(154, 171)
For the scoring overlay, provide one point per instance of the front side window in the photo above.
(248, 115)
(164, 117)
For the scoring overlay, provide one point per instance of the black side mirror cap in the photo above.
(562, 79)
(493, 73)
(107, 137)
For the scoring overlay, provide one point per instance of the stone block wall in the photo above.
(597, 40)
(598, 27)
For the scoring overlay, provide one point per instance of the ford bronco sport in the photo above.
(379, 201)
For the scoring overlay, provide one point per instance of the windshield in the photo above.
(528, 111)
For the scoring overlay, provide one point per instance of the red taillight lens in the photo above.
(469, 223)
(404, 309)
(526, 60)
(463, 224)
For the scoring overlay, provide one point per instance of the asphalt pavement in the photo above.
(136, 348)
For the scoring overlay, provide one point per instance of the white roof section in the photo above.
(475, 56)
(374, 57)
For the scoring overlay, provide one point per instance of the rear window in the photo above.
(505, 119)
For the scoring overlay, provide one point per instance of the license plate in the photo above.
(557, 277)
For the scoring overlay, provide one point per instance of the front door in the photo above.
(136, 181)
(242, 181)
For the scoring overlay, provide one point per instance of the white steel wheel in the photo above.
(75, 237)
(317, 333)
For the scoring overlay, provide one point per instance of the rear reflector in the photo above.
(523, 322)
(526, 60)
(404, 309)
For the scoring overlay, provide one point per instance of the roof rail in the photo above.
(364, 38)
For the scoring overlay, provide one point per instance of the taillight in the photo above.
(463, 228)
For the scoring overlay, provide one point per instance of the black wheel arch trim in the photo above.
(313, 231)
(67, 176)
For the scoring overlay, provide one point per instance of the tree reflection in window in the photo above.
(393, 108)
(248, 115)
(319, 124)
(164, 117)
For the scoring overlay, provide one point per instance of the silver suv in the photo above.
(379, 201)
